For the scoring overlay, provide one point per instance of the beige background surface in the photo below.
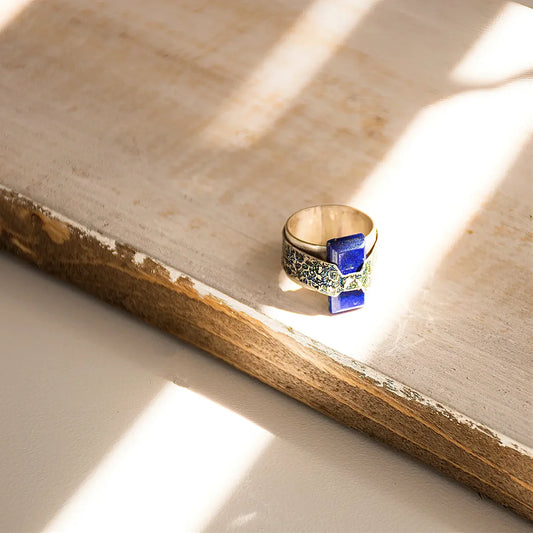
(110, 425)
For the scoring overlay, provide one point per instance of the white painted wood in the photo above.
(192, 132)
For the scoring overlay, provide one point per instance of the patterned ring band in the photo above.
(330, 249)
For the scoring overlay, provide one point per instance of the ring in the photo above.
(330, 249)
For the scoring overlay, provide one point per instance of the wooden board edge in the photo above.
(347, 391)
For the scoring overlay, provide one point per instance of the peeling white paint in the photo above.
(139, 258)
(380, 380)
(105, 241)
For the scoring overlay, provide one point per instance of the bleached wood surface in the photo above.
(191, 131)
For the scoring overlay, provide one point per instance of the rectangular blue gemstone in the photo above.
(346, 301)
(348, 253)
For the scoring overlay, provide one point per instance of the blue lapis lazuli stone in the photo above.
(348, 253)
(346, 301)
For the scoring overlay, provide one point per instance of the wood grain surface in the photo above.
(151, 154)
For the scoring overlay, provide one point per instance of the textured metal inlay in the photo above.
(322, 276)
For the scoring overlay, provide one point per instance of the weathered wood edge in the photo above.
(348, 391)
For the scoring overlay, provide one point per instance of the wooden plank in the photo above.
(151, 154)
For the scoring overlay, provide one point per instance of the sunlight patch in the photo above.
(269, 91)
(174, 469)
